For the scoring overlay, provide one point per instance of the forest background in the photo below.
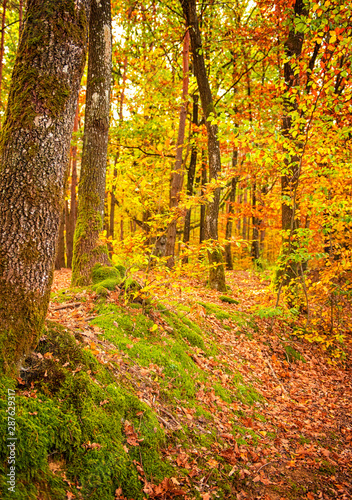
(278, 106)
(227, 178)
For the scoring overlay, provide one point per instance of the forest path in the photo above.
(295, 443)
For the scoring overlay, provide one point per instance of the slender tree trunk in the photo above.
(228, 233)
(4, 3)
(244, 224)
(289, 180)
(177, 174)
(88, 250)
(60, 252)
(255, 221)
(190, 176)
(34, 148)
(204, 180)
(113, 202)
(71, 215)
(20, 17)
(217, 271)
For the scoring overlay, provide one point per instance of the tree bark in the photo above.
(255, 226)
(4, 3)
(203, 182)
(60, 253)
(289, 180)
(34, 148)
(177, 174)
(20, 18)
(228, 234)
(71, 214)
(216, 267)
(88, 249)
(190, 176)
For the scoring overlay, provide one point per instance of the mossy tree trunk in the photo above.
(216, 266)
(88, 249)
(34, 149)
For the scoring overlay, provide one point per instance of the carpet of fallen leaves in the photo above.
(305, 445)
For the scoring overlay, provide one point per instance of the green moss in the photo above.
(102, 273)
(293, 355)
(229, 300)
(109, 284)
(70, 428)
(72, 295)
(121, 269)
(185, 328)
(247, 394)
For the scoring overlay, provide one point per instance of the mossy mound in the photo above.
(107, 285)
(229, 300)
(103, 273)
(70, 420)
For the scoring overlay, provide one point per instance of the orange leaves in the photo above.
(131, 434)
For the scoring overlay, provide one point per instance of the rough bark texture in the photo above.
(88, 249)
(289, 181)
(34, 149)
(177, 174)
(217, 271)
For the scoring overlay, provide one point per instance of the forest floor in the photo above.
(276, 409)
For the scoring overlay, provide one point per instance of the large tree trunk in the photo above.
(88, 249)
(216, 271)
(177, 174)
(35, 143)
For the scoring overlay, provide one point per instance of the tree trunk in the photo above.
(20, 18)
(255, 226)
(88, 250)
(202, 236)
(289, 180)
(113, 203)
(216, 271)
(177, 175)
(71, 215)
(228, 233)
(60, 252)
(2, 43)
(34, 146)
(190, 176)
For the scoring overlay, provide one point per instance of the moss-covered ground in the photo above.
(194, 399)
